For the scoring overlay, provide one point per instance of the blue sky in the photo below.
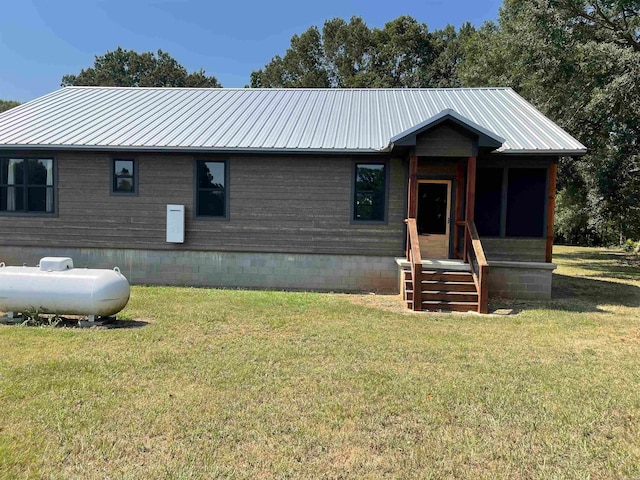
(41, 40)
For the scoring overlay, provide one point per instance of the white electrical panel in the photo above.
(175, 223)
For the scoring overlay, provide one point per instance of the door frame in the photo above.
(451, 204)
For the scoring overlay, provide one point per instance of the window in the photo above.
(211, 189)
(511, 202)
(123, 178)
(26, 185)
(370, 192)
(526, 202)
(488, 201)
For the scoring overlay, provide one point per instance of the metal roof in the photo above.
(309, 120)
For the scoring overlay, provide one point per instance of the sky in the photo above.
(42, 40)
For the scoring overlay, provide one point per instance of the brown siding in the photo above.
(277, 204)
(514, 249)
(444, 141)
(432, 166)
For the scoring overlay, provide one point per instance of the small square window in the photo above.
(123, 177)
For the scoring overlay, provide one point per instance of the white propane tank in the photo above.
(56, 287)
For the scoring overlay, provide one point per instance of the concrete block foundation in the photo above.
(317, 272)
(521, 280)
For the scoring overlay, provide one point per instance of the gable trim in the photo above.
(486, 138)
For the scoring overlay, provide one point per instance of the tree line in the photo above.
(578, 61)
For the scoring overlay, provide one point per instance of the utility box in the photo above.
(175, 223)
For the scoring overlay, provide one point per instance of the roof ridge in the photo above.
(288, 89)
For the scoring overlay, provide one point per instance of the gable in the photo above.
(446, 140)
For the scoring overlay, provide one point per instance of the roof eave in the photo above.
(179, 149)
(558, 152)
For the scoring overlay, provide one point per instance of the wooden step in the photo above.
(447, 276)
(434, 295)
(448, 286)
(445, 291)
(435, 306)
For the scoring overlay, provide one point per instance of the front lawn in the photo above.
(246, 384)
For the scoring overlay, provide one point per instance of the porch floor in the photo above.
(449, 264)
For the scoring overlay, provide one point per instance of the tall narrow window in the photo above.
(211, 189)
(26, 185)
(488, 201)
(370, 192)
(123, 177)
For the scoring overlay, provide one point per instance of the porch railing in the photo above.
(475, 257)
(415, 259)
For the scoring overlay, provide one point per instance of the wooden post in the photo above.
(413, 187)
(417, 287)
(471, 189)
(471, 197)
(551, 206)
(483, 294)
(459, 201)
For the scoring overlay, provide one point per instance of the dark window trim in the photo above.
(112, 177)
(226, 216)
(504, 194)
(354, 172)
(32, 156)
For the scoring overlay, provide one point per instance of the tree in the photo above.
(577, 61)
(348, 55)
(126, 68)
(7, 104)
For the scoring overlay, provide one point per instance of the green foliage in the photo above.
(36, 318)
(351, 55)
(579, 62)
(126, 68)
(631, 246)
(7, 104)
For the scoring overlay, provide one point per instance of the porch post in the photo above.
(551, 206)
(412, 206)
(471, 197)
(459, 208)
(413, 186)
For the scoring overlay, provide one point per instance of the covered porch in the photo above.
(446, 265)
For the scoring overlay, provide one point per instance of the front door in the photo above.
(434, 208)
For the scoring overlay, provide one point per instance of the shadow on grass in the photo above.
(127, 324)
(605, 263)
(64, 322)
(579, 294)
(574, 294)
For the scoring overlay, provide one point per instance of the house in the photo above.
(451, 190)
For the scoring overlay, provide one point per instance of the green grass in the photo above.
(245, 384)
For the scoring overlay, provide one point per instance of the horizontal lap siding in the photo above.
(277, 204)
(514, 249)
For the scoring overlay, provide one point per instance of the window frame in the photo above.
(113, 177)
(25, 185)
(354, 180)
(196, 189)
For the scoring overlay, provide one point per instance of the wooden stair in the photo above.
(443, 290)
